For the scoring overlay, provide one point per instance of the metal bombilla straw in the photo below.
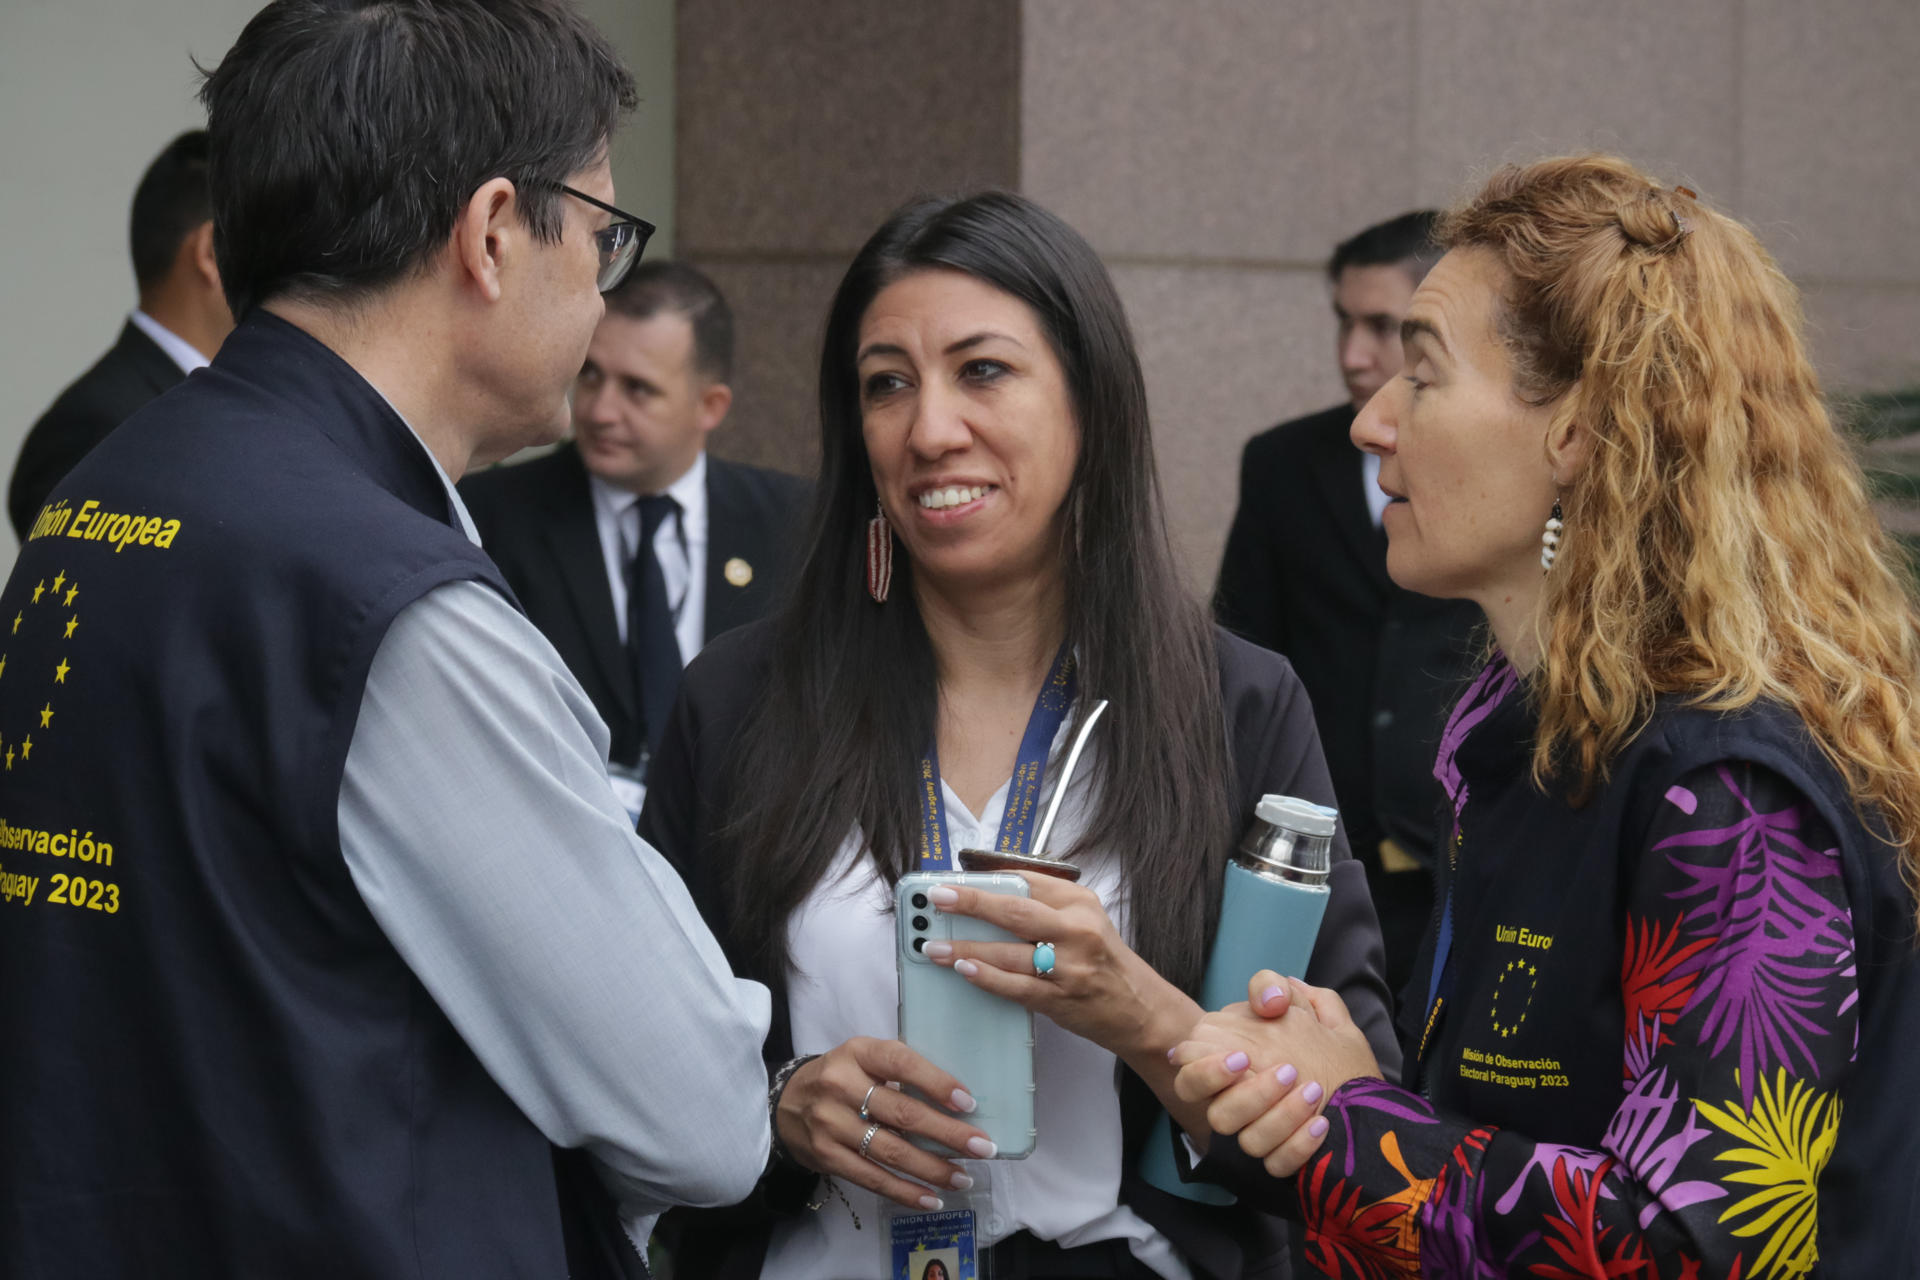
(988, 860)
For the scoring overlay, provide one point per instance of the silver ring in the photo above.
(864, 1114)
(868, 1140)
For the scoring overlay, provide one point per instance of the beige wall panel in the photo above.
(1224, 129)
(1864, 337)
(1832, 97)
(801, 126)
(1227, 353)
(780, 313)
(1513, 80)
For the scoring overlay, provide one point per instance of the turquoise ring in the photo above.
(1042, 959)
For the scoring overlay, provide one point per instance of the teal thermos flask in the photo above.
(1270, 910)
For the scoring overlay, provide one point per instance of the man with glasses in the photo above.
(629, 546)
(330, 951)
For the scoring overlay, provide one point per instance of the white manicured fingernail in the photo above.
(965, 968)
(982, 1148)
(943, 896)
(962, 1101)
(961, 1182)
(930, 1202)
(936, 950)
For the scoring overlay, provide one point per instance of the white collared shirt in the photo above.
(1370, 477)
(178, 349)
(680, 547)
(842, 984)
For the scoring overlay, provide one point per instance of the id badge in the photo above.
(942, 1245)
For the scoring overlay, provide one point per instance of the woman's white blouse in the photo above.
(842, 943)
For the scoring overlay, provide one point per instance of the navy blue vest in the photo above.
(212, 1061)
(1530, 862)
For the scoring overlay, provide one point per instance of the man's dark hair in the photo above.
(346, 135)
(170, 203)
(653, 287)
(858, 685)
(1403, 241)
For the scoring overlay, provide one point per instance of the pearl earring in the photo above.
(1550, 540)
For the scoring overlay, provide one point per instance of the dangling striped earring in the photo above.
(1550, 540)
(879, 554)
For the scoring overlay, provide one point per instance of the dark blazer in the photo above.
(536, 521)
(1270, 730)
(133, 371)
(1305, 574)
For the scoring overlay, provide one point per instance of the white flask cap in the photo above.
(1296, 814)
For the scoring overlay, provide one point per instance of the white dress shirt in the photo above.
(477, 823)
(680, 546)
(843, 985)
(1370, 477)
(178, 349)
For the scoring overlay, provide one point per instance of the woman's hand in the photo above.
(1098, 988)
(1305, 1046)
(819, 1122)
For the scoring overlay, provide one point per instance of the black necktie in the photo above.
(651, 646)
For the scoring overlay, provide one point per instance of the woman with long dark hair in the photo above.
(1669, 1015)
(988, 524)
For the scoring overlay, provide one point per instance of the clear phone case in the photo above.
(986, 1042)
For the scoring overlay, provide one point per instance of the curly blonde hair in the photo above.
(1720, 543)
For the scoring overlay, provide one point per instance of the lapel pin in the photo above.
(738, 572)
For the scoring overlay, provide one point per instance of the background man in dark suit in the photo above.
(180, 322)
(568, 529)
(1305, 574)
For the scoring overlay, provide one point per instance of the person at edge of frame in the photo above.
(359, 969)
(1668, 1018)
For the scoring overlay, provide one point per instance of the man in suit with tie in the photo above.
(1305, 574)
(180, 322)
(630, 547)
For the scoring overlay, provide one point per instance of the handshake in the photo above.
(1264, 1069)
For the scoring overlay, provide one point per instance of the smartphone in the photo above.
(986, 1042)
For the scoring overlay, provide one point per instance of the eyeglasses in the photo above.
(620, 242)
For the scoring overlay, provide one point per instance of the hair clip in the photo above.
(1682, 227)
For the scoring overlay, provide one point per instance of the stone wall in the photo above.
(1215, 150)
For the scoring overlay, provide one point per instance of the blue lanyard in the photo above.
(1029, 771)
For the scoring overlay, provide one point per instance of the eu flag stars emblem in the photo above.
(36, 643)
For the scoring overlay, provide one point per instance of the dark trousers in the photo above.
(1025, 1257)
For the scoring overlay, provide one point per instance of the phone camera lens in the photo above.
(919, 902)
(919, 922)
(919, 943)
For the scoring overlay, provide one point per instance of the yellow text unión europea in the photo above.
(57, 519)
